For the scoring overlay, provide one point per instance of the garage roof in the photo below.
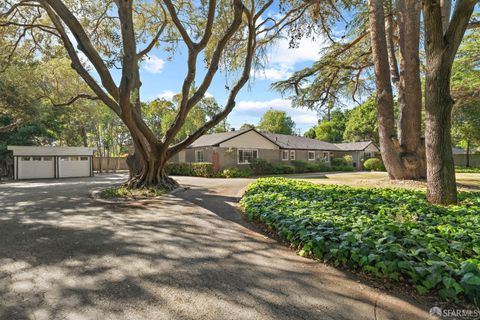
(51, 151)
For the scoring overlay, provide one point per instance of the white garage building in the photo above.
(52, 162)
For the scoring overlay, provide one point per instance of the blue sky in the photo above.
(163, 78)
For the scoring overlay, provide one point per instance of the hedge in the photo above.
(197, 169)
(261, 166)
(392, 233)
(236, 173)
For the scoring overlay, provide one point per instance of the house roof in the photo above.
(50, 151)
(285, 141)
(282, 140)
(215, 139)
(354, 146)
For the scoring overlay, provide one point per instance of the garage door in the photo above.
(36, 167)
(76, 166)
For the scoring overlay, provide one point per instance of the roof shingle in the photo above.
(354, 146)
(296, 142)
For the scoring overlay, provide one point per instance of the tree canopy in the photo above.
(275, 121)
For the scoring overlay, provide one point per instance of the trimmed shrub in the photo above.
(196, 169)
(338, 162)
(261, 166)
(348, 168)
(299, 165)
(374, 164)
(389, 233)
(236, 173)
(349, 159)
(317, 167)
(283, 169)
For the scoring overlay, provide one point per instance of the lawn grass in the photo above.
(465, 181)
(467, 170)
(389, 233)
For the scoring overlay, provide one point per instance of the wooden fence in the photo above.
(109, 164)
(461, 160)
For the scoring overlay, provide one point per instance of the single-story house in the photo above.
(360, 151)
(239, 148)
(51, 162)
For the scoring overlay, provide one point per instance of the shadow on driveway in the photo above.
(64, 256)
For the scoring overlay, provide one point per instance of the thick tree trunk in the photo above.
(401, 162)
(441, 186)
(152, 175)
(412, 146)
(442, 39)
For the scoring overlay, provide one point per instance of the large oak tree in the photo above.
(99, 36)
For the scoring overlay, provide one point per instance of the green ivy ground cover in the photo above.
(392, 233)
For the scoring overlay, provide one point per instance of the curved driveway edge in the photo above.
(186, 256)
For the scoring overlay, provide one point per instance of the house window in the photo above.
(311, 155)
(246, 156)
(25, 158)
(368, 155)
(285, 155)
(326, 157)
(47, 158)
(64, 158)
(74, 158)
(199, 156)
(37, 158)
(292, 154)
(83, 158)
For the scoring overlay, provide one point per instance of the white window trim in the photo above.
(292, 152)
(196, 155)
(308, 155)
(288, 155)
(243, 149)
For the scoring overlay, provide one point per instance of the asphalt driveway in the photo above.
(188, 256)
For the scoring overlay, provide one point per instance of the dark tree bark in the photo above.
(412, 145)
(152, 153)
(404, 157)
(442, 42)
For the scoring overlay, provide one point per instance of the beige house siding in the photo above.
(251, 140)
(229, 156)
(359, 156)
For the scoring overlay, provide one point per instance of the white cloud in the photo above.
(208, 95)
(303, 117)
(308, 49)
(272, 74)
(282, 59)
(153, 64)
(166, 94)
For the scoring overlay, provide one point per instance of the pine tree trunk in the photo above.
(441, 187)
(402, 161)
(412, 146)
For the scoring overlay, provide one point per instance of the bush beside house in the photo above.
(374, 164)
(196, 169)
(258, 167)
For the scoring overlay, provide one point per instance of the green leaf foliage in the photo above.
(374, 164)
(391, 233)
